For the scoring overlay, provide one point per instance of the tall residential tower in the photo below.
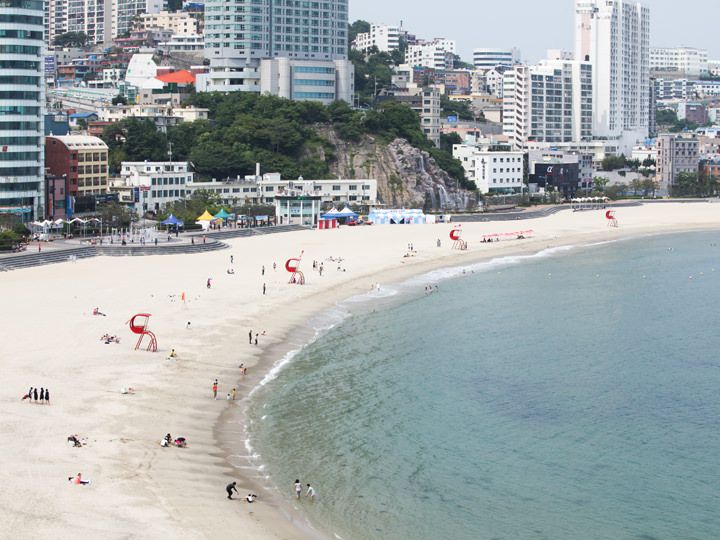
(614, 36)
(291, 48)
(22, 98)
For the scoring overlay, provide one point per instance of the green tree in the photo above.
(447, 140)
(358, 27)
(600, 183)
(613, 163)
(461, 109)
(71, 39)
(119, 100)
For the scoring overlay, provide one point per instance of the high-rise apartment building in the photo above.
(91, 17)
(22, 99)
(491, 58)
(676, 154)
(124, 13)
(685, 60)
(385, 38)
(614, 36)
(304, 45)
(550, 102)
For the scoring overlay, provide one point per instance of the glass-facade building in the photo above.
(22, 100)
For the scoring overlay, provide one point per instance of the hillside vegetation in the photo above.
(283, 136)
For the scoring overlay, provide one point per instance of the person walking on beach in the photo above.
(42, 395)
(209, 283)
(47, 397)
(310, 492)
(250, 337)
(321, 269)
(30, 395)
(256, 336)
(264, 285)
(35, 395)
(232, 259)
(230, 488)
(274, 267)
(234, 392)
(215, 389)
(298, 489)
(262, 272)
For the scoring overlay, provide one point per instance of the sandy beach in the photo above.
(138, 489)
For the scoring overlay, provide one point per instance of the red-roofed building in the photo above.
(177, 77)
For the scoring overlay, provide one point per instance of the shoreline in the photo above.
(140, 490)
(396, 278)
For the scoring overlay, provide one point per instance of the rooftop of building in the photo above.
(80, 142)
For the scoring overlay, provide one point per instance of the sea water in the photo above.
(565, 396)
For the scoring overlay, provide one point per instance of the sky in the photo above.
(535, 25)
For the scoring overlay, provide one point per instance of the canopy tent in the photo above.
(222, 214)
(207, 216)
(344, 214)
(413, 216)
(172, 220)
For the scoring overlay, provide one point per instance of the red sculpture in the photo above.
(458, 243)
(141, 328)
(293, 266)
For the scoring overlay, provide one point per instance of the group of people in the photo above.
(232, 488)
(167, 441)
(429, 289)
(310, 491)
(42, 397)
(107, 339)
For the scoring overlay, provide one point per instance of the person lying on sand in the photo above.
(127, 390)
(78, 480)
(75, 441)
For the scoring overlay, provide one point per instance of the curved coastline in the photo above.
(140, 490)
(305, 333)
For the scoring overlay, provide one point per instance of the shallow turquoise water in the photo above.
(562, 397)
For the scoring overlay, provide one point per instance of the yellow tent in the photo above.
(207, 216)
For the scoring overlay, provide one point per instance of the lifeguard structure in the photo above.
(293, 266)
(139, 325)
(458, 242)
(611, 219)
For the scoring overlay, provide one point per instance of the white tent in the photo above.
(413, 216)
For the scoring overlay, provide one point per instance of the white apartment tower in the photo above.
(299, 48)
(549, 103)
(22, 99)
(124, 13)
(614, 36)
(385, 38)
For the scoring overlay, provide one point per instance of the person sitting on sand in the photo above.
(97, 311)
(230, 271)
(78, 480)
(166, 441)
(75, 441)
(180, 442)
(172, 354)
(128, 390)
(251, 497)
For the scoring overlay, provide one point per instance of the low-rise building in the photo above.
(82, 159)
(183, 43)
(163, 116)
(384, 38)
(686, 60)
(264, 190)
(676, 154)
(437, 54)
(568, 173)
(155, 183)
(495, 168)
(178, 22)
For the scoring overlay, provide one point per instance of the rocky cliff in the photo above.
(406, 177)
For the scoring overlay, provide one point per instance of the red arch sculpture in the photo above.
(293, 267)
(141, 328)
(458, 242)
(612, 220)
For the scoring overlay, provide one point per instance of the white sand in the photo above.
(138, 489)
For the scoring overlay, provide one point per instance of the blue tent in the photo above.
(172, 220)
(345, 213)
